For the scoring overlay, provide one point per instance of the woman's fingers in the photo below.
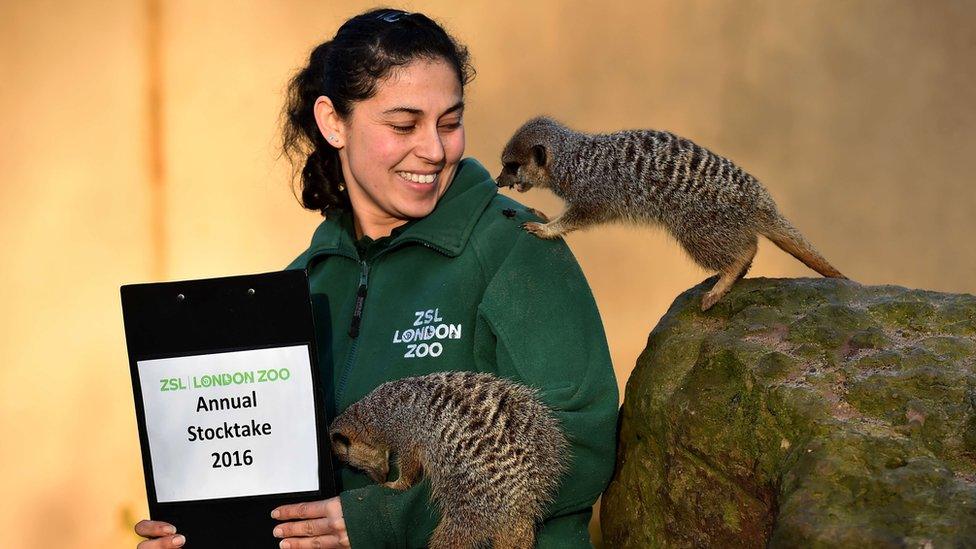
(320, 542)
(308, 509)
(162, 535)
(165, 542)
(323, 525)
(154, 528)
(310, 528)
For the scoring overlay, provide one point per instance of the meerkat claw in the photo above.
(534, 228)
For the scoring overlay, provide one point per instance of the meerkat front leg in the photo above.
(544, 217)
(728, 276)
(410, 468)
(568, 221)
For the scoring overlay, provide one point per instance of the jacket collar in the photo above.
(446, 229)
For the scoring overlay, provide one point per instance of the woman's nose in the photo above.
(429, 146)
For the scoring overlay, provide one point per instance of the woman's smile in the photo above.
(424, 180)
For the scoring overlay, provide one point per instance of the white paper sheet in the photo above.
(251, 415)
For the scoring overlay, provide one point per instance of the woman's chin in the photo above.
(414, 209)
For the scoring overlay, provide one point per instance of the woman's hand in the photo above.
(160, 534)
(322, 525)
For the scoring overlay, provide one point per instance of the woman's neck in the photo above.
(374, 228)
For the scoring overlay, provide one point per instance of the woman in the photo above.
(421, 266)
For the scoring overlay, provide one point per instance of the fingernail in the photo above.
(284, 544)
(275, 514)
(277, 532)
(179, 541)
(169, 529)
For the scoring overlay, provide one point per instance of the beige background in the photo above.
(137, 145)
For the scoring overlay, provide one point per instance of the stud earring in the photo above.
(342, 187)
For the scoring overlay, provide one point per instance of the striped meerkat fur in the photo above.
(494, 453)
(711, 206)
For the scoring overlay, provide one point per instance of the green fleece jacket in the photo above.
(464, 288)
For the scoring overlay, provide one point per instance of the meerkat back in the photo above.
(494, 453)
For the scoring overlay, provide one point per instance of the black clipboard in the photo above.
(194, 320)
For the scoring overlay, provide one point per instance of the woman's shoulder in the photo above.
(498, 236)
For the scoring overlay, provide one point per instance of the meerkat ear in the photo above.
(340, 443)
(539, 154)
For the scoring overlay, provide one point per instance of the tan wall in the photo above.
(858, 116)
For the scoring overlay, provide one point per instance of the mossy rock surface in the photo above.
(801, 413)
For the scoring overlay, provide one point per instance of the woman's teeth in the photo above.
(418, 178)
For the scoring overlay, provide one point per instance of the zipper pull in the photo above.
(357, 312)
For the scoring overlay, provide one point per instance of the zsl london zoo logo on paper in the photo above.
(424, 337)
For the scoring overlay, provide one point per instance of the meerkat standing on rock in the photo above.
(493, 452)
(711, 206)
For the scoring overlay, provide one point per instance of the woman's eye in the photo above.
(410, 128)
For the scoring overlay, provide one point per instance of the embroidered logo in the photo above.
(425, 336)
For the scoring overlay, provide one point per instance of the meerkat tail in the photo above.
(782, 233)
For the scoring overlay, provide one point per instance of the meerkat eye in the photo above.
(510, 168)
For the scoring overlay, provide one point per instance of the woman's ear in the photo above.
(329, 122)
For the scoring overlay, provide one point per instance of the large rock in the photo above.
(801, 413)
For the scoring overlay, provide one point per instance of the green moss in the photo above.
(869, 338)
(775, 365)
(953, 348)
(903, 313)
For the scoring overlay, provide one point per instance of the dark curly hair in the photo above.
(346, 69)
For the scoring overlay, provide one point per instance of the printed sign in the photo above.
(239, 423)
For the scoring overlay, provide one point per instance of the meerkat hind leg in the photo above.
(728, 276)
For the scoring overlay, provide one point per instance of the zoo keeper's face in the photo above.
(403, 145)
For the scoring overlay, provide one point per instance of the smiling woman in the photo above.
(399, 149)
(420, 266)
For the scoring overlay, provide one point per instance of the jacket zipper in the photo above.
(357, 318)
(357, 312)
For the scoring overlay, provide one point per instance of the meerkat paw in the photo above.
(540, 230)
(709, 299)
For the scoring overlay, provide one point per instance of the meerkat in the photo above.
(493, 452)
(712, 207)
